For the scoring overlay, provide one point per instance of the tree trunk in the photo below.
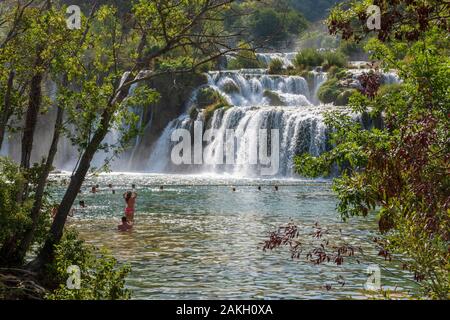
(28, 237)
(7, 107)
(46, 254)
(34, 104)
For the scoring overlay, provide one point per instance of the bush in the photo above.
(207, 96)
(246, 58)
(352, 50)
(343, 97)
(268, 26)
(333, 59)
(193, 113)
(329, 91)
(13, 215)
(273, 98)
(101, 277)
(208, 112)
(276, 66)
(308, 58)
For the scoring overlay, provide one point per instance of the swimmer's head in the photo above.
(124, 219)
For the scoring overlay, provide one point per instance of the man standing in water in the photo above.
(130, 200)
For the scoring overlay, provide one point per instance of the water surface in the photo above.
(197, 239)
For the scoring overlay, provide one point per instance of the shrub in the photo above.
(343, 97)
(308, 58)
(207, 96)
(273, 98)
(193, 113)
(230, 87)
(13, 215)
(268, 26)
(208, 112)
(276, 66)
(331, 59)
(329, 91)
(101, 277)
(246, 58)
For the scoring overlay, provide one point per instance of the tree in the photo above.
(93, 69)
(399, 170)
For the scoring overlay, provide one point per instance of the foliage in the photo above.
(329, 91)
(13, 215)
(246, 58)
(101, 277)
(273, 98)
(270, 23)
(402, 20)
(313, 9)
(400, 169)
(275, 66)
(93, 70)
(310, 58)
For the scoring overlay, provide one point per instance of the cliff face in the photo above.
(174, 93)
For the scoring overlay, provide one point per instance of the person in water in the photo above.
(94, 189)
(130, 200)
(125, 226)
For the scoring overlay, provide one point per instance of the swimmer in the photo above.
(259, 188)
(94, 189)
(130, 200)
(125, 226)
(82, 204)
(233, 189)
(276, 188)
(161, 188)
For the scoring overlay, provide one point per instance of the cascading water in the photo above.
(285, 58)
(259, 102)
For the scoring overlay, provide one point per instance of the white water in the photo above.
(285, 58)
(296, 117)
(288, 104)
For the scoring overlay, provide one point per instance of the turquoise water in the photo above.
(197, 239)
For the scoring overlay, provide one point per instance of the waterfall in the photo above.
(282, 109)
(246, 88)
(260, 102)
(5, 146)
(285, 58)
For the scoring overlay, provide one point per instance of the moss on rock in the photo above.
(273, 98)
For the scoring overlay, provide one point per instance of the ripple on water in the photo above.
(197, 239)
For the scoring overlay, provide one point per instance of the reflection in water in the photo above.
(197, 239)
